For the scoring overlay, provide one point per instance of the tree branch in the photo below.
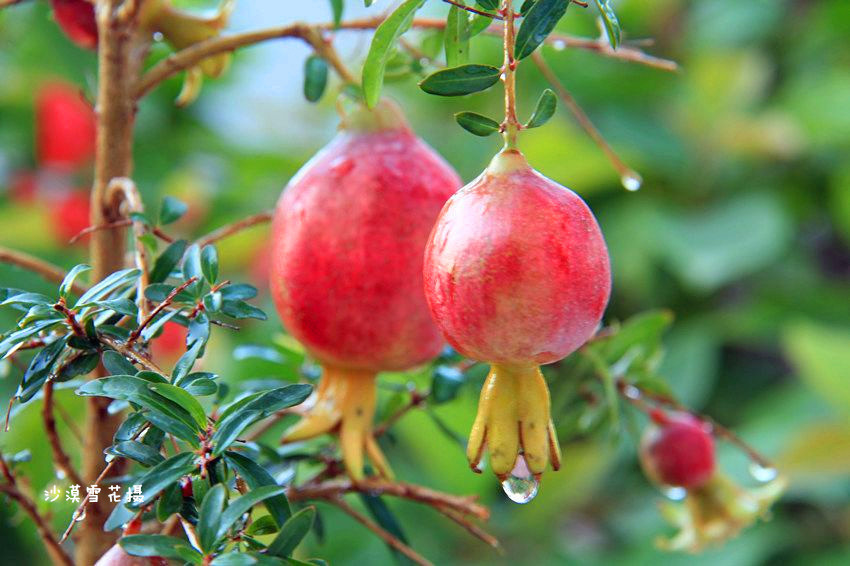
(48, 271)
(54, 550)
(234, 228)
(60, 457)
(383, 534)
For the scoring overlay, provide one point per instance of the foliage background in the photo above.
(742, 229)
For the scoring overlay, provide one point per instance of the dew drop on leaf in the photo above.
(521, 485)
(762, 473)
(559, 45)
(675, 493)
(631, 181)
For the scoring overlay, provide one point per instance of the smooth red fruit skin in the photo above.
(516, 269)
(171, 343)
(65, 128)
(76, 18)
(349, 233)
(679, 452)
(69, 215)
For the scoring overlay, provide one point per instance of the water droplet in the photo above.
(60, 474)
(631, 392)
(157, 36)
(502, 76)
(762, 473)
(521, 485)
(631, 181)
(80, 516)
(675, 493)
(559, 45)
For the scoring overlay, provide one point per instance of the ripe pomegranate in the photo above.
(516, 274)
(678, 451)
(65, 127)
(23, 187)
(167, 348)
(69, 212)
(76, 18)
(346, 268)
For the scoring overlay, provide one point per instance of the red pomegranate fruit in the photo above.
(516, 274)
(70, 214)
(678, 451)
(167, 348)
(346, 268)
(76, 18)
(65, 127)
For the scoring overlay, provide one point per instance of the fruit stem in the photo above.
(511, 126)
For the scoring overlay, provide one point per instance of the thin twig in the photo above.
(463, 6)
(382, 533)
(473, 529)
(159, 308)
(68, 421)
(81, 508)
(48, 271)
(134, 356)
(582, 118)
(123, 223)
(234, 228)
(54, 549)
(60, 457)
(127, 190)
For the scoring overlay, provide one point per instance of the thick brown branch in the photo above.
(234, 228)
(383, 534)
(60, 457)
(47, 270)
(54, 550)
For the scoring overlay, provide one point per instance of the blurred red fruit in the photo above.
(171, 344)
(65, 128)
(678, 451)
(76, 18)
(23, 187)
(69, 214)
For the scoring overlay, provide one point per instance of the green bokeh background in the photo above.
(742, 229)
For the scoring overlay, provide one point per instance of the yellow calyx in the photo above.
(513, 418)
(344, 403)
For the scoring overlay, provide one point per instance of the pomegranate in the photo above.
(678, 451)
(167, 348)
(346, 268)
(76, 18)
(65, 127)
(516, 274)
(69, 213)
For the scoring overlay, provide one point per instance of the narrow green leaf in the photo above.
(256, 476)
(243, 504)
(457, 37)
(336, 10)
(171, 210)
(192, 263)
(315, 78)
(39, 369)
(241, 291)
(488, 4)
(293, 532)
(612, 24)
(169, 502)
(458, 81)
(240, 309)
(164, 474)
(79, 365)
(28, 300)
(538, 23)
(68, 282)
(210, 517)
(209, 264)
(154, 545)
(185, 363)
(385, 517)
(477, 124)
(108, 285)
(141, 453)
(526, 6)
(121, 306)
(167, 261)
(544, 110)
(382, 44)
(184, 399)
(478, 24)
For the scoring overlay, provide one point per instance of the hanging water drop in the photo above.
(761, 473)
(559, 45)
(675, 493)
(80, 517)
(631, 181)
(521, 485)
(60, 474)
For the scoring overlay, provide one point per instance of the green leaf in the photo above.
(457, 37)
(171, 210)
(68, 282)
(141, 453)
(28, 300)
(458, 81)
(210, 517)
(488, 4)
(192, 263)
(256, 476)
(185, 363)
(382, 44)
(13, 339)
(154, 545)
(39, 369)
(169, 502)
(199, 330)
(612, 24)
(184, 399)
(264, 525)
(229, 431)
(336, 10)
(446, 383)
(477, 124)
(117, 364)
(242, 505)
(315, 78)
(109, 284)
(202, 387)
(121, 306)
(544, 110)
(293, 532)
(167, 261)
(821, 355)
(239, 291)
(209, 263)
(478, 24)
(240, 309)
(538, 23)
(80, 365)
(164, 474)
(526, 6)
